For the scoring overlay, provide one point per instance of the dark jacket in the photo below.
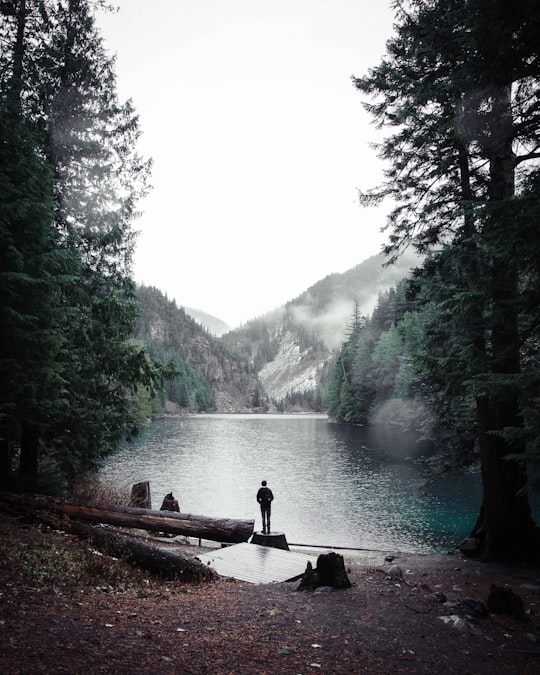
(265, 497)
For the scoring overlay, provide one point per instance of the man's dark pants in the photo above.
(266, 512)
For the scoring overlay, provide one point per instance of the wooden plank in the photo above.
(257, 564)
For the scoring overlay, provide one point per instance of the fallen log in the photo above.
(224, 530)
(164, 563)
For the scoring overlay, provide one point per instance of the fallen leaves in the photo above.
(234, 627)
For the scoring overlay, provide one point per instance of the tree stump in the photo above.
(330, 571)
(272, 539)
(140, 496)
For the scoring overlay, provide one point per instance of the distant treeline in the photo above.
(380, 377)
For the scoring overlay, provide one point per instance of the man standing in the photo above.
(265, 497)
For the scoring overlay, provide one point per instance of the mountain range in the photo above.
(212, 324)
(283, 359)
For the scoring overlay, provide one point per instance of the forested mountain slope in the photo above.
(293, 348)
(211, 377)
(284, 357)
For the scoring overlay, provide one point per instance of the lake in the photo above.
(334, 485)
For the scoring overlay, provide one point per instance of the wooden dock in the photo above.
(257, 564)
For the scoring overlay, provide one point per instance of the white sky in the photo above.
(259, 141)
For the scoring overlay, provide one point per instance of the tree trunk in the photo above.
(505, 528)
(5, 462)
(28, 466)
(166, 564)
(225, 530)
(16, 84)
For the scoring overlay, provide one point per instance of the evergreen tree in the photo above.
(346, 394)
(31, 268)
(70, 201)
(457, 85)
(386, 362)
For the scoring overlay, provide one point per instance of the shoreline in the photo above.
(409, 562)
(65, 605)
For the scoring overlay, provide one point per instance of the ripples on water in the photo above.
(334, 485)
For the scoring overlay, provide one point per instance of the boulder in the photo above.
(503, 600)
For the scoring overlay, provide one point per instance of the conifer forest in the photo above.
(452, 351)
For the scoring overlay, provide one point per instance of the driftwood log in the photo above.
(224, 530)
(164, 563)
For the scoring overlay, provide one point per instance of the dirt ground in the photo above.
(65, 608)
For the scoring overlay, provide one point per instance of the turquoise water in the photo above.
(334, 485)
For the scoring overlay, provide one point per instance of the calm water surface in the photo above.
(333, 485)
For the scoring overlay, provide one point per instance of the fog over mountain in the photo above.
(326, 307)
(211, 323)
(281, 360)
(293, 348)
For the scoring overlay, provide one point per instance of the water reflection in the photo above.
(333, 484)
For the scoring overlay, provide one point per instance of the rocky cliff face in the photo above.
(289, 351)
(293, 369)
(292, 349)
(232, 380)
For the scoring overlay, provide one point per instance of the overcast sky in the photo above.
(259, 141)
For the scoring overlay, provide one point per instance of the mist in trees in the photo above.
(70, 180)
(458, 91)
(456, 348)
